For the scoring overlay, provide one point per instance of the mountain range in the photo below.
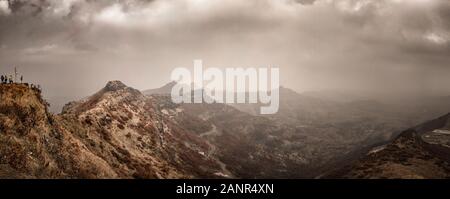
(121, 132)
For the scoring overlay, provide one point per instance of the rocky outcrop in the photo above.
(116, 133)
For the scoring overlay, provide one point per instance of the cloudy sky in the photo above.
(73, 47)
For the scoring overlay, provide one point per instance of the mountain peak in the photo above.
(166, 89)
(115, 86)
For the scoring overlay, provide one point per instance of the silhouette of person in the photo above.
(21, 79)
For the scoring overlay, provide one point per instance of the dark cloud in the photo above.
(306, 2)
(28, 7)
(319, 44)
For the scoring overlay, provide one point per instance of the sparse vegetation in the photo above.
(120, 133)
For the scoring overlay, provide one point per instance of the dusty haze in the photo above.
(384, 47)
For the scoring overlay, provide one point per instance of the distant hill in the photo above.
(166, 89)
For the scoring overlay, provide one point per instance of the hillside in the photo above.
(119, 132)
(422, 152)
(305, 139)
(33, 144)
(115, 133)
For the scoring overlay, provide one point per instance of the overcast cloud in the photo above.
(72, 47)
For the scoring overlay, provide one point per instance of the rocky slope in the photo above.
(247, 146)
(115, 133)
(306, 138)
(422, 152)
(33, 144)
(121, 133)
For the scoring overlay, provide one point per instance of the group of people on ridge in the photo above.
(8, 80)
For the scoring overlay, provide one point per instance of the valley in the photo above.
(119, 132)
